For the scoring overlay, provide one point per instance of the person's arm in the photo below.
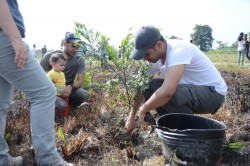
(130, 123)
(164, 93)
(80, 79)
(8, 25)
(137, 102)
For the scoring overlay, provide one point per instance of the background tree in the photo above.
(221, 45)
(202, 37)
(174, 37)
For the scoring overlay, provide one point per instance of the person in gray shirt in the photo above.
(74, 70)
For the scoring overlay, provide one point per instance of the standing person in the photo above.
(247, 47)
(191, 83)
(18, 68)
(44, 50)
(75, 69)
(56, 75)
(33, 50)
(241, 49)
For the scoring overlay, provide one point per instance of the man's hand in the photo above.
(67, 91)
(142, 112)
(130, 125)
(21, 56)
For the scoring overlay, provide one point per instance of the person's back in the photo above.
(199, 70)
(44, 50)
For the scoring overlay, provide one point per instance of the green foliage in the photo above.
(6, 137)
(174, 37)
(114, 160)
(90, 38)
(236, 145)
(87, 80)
(221, 45)
(131, 75)
(202, 36)
(61, 135)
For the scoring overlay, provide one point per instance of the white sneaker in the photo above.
(15, 161)
(64, 163)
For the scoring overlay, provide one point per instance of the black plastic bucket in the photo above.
(191, 140)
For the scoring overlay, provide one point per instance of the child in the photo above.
(56, 75)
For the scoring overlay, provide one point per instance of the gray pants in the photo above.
(33, 81)
(188, 99)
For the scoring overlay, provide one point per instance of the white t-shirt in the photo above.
(199, 70)
(241, 45)
(33, 51)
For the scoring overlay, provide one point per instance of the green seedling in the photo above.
(6, 137)
(236, 145)
(61, 135)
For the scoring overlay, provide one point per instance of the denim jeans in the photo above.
(33, 81)
(241, 56)
(188, 99)
(247, 54)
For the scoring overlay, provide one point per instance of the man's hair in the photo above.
(240, 37)
(56, 57)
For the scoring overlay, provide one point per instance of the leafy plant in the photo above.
(131, 77)
(236, 145)
(61, 135)
(87, 80)
(6, 137)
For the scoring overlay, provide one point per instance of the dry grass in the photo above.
(96, 132)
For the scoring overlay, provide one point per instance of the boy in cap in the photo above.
(191, 83)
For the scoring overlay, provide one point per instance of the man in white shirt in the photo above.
(191, 82)
(33, 50)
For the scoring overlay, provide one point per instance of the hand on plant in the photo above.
(130, 125)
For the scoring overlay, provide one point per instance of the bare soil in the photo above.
(96, 135)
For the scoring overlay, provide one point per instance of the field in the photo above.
(95, 135)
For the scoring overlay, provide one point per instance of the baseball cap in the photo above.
(71, 37)
(145, 38)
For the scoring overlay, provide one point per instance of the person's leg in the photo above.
(5, 99)
(194, 99)
(247, 54)
(239, 57)
(60, 104)
(77, 97)
(242, 57)
(33, 81)
(153, 86)
(188, 99)
(66, 110)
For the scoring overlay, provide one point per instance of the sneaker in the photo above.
(64, 163)
(15, 161)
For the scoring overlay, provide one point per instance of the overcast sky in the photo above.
(47, 20)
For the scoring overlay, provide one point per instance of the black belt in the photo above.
(1, 29)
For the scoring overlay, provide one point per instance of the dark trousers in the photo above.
(78, 96)
(188, 99)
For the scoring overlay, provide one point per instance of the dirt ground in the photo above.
(95, 133)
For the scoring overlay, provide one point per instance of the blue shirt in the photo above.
(17, 16)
